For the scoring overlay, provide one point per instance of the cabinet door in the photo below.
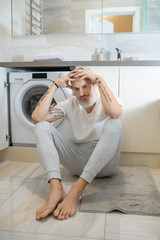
(140, 95)
(110, 75)
(4, 110)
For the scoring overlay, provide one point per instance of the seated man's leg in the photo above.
(50, 145)
(52, 148)
(103, 161)
(105, 157)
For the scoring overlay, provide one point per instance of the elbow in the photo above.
(116, 114)
(35, 117)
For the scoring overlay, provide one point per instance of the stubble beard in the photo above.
(90, 102)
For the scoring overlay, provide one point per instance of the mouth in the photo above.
(84, 98)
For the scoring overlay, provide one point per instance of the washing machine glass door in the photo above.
(29, 95)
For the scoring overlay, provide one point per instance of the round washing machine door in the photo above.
(29, 95)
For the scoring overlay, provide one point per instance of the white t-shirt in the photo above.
(84, 127)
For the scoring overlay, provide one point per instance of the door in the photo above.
(4, 142)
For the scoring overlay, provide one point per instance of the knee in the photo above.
(42, 127)
(113, 126)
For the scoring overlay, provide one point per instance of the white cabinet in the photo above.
(140, 95)
(110, 75)
(4, 110)
(139, 90)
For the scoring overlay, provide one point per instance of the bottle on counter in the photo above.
(104, 55)
(101, 54)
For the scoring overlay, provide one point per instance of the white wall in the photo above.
(72, 47)
(139, 46)
(81, 47)
(5, 28)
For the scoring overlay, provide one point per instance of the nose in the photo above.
(81, 92)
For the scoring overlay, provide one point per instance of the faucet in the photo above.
(118, 54)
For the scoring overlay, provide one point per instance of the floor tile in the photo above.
(156, 176)
(18, 214)
(16, 171)
(7, 188)
(6, 235)
(128, 227)
(39, 176)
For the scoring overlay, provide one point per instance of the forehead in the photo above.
(78, 84)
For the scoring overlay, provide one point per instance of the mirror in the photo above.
(34, 17)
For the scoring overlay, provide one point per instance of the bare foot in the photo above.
(57, 194)
(68, 207)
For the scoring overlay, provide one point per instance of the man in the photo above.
(93, 149)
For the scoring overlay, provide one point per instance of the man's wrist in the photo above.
(56, 84)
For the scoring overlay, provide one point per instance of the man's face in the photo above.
(85, 92)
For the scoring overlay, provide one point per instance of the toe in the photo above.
(67, 216)
(38, 213)
(56, 212)
(73, 212)
(61, 217)
(44, 214)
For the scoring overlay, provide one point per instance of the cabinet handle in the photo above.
(6, 84)
(7, 137)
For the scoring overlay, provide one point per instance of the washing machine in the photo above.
(26, 89)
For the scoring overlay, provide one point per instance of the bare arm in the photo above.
(109, 102)
(43, 112)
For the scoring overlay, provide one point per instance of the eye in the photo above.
(85, 86)
(76, 89)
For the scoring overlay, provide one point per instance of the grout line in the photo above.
(105, 226)
(5, 202)
(57, 237)
(22, 183)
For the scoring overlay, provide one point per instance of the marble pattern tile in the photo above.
(6, 235)
(23, 189)
(16, 171)
(5, 28)
(18, 214)
(142, 46)
(71, 48)
(7, 188)
(125, 226)
(39, 176)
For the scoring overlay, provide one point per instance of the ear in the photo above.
(69, 86)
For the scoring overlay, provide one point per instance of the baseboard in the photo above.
(30, 154)
(151, 160)
(19, 154)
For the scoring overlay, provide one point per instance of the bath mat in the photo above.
(131, 190)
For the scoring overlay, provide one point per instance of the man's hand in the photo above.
(83, 73)
(63, 82)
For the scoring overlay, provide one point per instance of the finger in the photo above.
(75, 70)
(70, 74)
(72, 79)
(80, 79)
(85, 69)
(81, 73)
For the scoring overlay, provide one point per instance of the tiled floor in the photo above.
(23, 188)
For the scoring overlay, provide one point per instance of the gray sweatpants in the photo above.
(87, 160)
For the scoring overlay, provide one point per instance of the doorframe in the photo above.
(90, 14)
